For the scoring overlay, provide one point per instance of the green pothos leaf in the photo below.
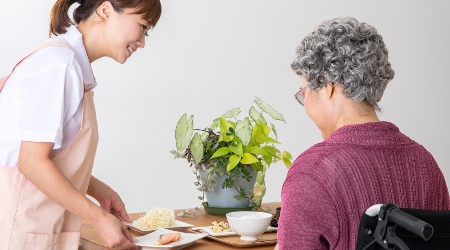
(269, 110)
(286, 155)
(232, 162)
(286, 158)
(257, 166)
(248, 159)
(220, 152)
(267, 139)
(238, 150)
(268, 160)
(225, 126)
(197, 148)
(264, 128)
(258, 151)
(271, 150)
(184, 131)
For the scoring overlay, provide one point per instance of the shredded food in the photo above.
(221, 227)
(156, 218)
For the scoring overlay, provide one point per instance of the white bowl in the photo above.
(249, 224)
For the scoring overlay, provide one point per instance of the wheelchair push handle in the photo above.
(411, 223)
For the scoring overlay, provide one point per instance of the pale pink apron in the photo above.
(29, 219)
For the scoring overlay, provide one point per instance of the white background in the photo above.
(206, 57)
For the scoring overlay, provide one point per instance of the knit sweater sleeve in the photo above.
(308, 218)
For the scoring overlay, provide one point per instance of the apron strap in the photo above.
(42, 46)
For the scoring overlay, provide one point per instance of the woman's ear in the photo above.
(331, 89)
(105, 10)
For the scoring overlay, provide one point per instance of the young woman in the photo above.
(48, 133)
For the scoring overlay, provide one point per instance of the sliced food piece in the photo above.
(167, 238)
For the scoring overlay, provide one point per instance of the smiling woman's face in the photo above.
(124, 33)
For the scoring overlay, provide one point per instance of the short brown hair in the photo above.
(60, 20)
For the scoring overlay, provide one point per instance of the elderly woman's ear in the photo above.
(332, 89)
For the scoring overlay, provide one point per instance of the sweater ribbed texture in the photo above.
(332, 183)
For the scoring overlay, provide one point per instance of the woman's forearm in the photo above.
(35, 165)
(108, 199)
(96, 188)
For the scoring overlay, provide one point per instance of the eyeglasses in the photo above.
(300, 95)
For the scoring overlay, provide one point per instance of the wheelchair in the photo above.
(386, 226)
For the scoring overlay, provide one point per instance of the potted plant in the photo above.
(231, 154)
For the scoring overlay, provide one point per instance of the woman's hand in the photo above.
(108, 199)
(276, 247)
(109, 228)
(114, 233)
(112, 204)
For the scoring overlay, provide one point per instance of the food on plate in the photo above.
(156, 218)
(167, 238)
(221, 227)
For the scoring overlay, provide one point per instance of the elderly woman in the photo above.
(344, 70)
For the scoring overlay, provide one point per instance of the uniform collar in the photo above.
(74, 38)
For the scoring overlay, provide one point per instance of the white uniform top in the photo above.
(42, 99)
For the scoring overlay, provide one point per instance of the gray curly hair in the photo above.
(348, 52)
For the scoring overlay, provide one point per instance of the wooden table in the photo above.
(90, 240)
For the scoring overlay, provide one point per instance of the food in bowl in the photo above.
(167, 238)
(156, 218)
(249, 224)
(221, 227)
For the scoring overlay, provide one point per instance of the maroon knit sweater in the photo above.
(332, 183)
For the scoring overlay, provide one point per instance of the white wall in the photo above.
(207, 56)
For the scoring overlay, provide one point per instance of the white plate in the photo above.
(208, 229)
(179, 226)
(147, 242)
